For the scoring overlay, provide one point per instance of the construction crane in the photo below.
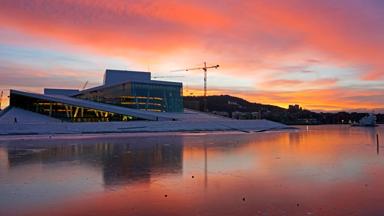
(205, 69)
(85, 85)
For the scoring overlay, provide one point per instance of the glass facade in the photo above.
(65, 112)
(149, 96)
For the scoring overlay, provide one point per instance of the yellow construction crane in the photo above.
(205, 69)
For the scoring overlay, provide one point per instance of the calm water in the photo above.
(319, 170)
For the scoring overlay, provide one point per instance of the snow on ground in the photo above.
(33, 123)
(192, 115)
(24, 116)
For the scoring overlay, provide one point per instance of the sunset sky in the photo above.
(323, 55)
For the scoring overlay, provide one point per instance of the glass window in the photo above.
(136, 95)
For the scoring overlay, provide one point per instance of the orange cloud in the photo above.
(287, 83)
(262, 41)
(346, 34)
(163, 27)
(113, 27)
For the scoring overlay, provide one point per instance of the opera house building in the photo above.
(124, 96)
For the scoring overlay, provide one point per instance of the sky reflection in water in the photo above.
(319, 170)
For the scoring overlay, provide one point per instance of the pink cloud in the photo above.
(255, 39)
(310, 84)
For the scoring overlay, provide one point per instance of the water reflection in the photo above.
(273, 173)
(128, 163)
(120, 161)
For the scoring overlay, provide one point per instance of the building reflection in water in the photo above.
(121, 161)
(4, 164)
(127, 163)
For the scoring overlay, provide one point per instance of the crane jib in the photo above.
(205, 69)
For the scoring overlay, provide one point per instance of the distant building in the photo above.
(124, 96)
(239, 115)
(256, 115)
(294, 108)
(246, 115)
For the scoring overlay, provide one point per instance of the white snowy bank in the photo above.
(33, 123)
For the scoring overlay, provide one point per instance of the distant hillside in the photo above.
(231, 106)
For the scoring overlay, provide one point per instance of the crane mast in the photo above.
(205, 69)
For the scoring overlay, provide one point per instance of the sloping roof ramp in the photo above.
(147, 115)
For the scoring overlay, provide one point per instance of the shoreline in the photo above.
(156, 127)
(65, 136)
